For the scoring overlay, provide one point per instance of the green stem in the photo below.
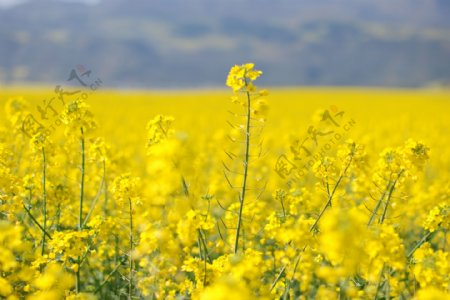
(316, 222)
(80, 222)
(379, 282)
(205, 269)
(391, 191)
(330, 196)
(94, 202)
(202, 250)
(203, 242)
(44, 199)
(282, 207)
(244, 184)
(105, 190)
(278, 277)
(80, 217)
(130, 285)
(387, 287)
(422, 241)
(36, 222)
(108, 277)
(377, 206)
(288, 285)
(116, 260)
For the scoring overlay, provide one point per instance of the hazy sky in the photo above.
(302, 42)
(8, 3)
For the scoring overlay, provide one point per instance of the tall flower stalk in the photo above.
(130, 283)
(244, 180)
(240, 79)
(126, 192)
(79, 120)
(83, 160)
(80, 216)
(44, 199)
(39, 143)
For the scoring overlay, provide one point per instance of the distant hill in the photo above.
(192, 43)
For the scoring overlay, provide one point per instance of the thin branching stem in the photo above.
(130, 284)
(387, 291)
(203, 243)
(35, 221)
(80, 216)
(44, 199)
(422, 241)
(108, 277)
(244, 182)
(380, 281)
(97, 196)
(278, 277)
(377, 206)
(203, 255)
(116, 260)
(288, 285)
(105, 190)
(331, 195)
(282, 206)
(316, 222)
(391, 191)
(205, 269)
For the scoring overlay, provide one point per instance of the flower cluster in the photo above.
(158, 130)
(240, 78)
